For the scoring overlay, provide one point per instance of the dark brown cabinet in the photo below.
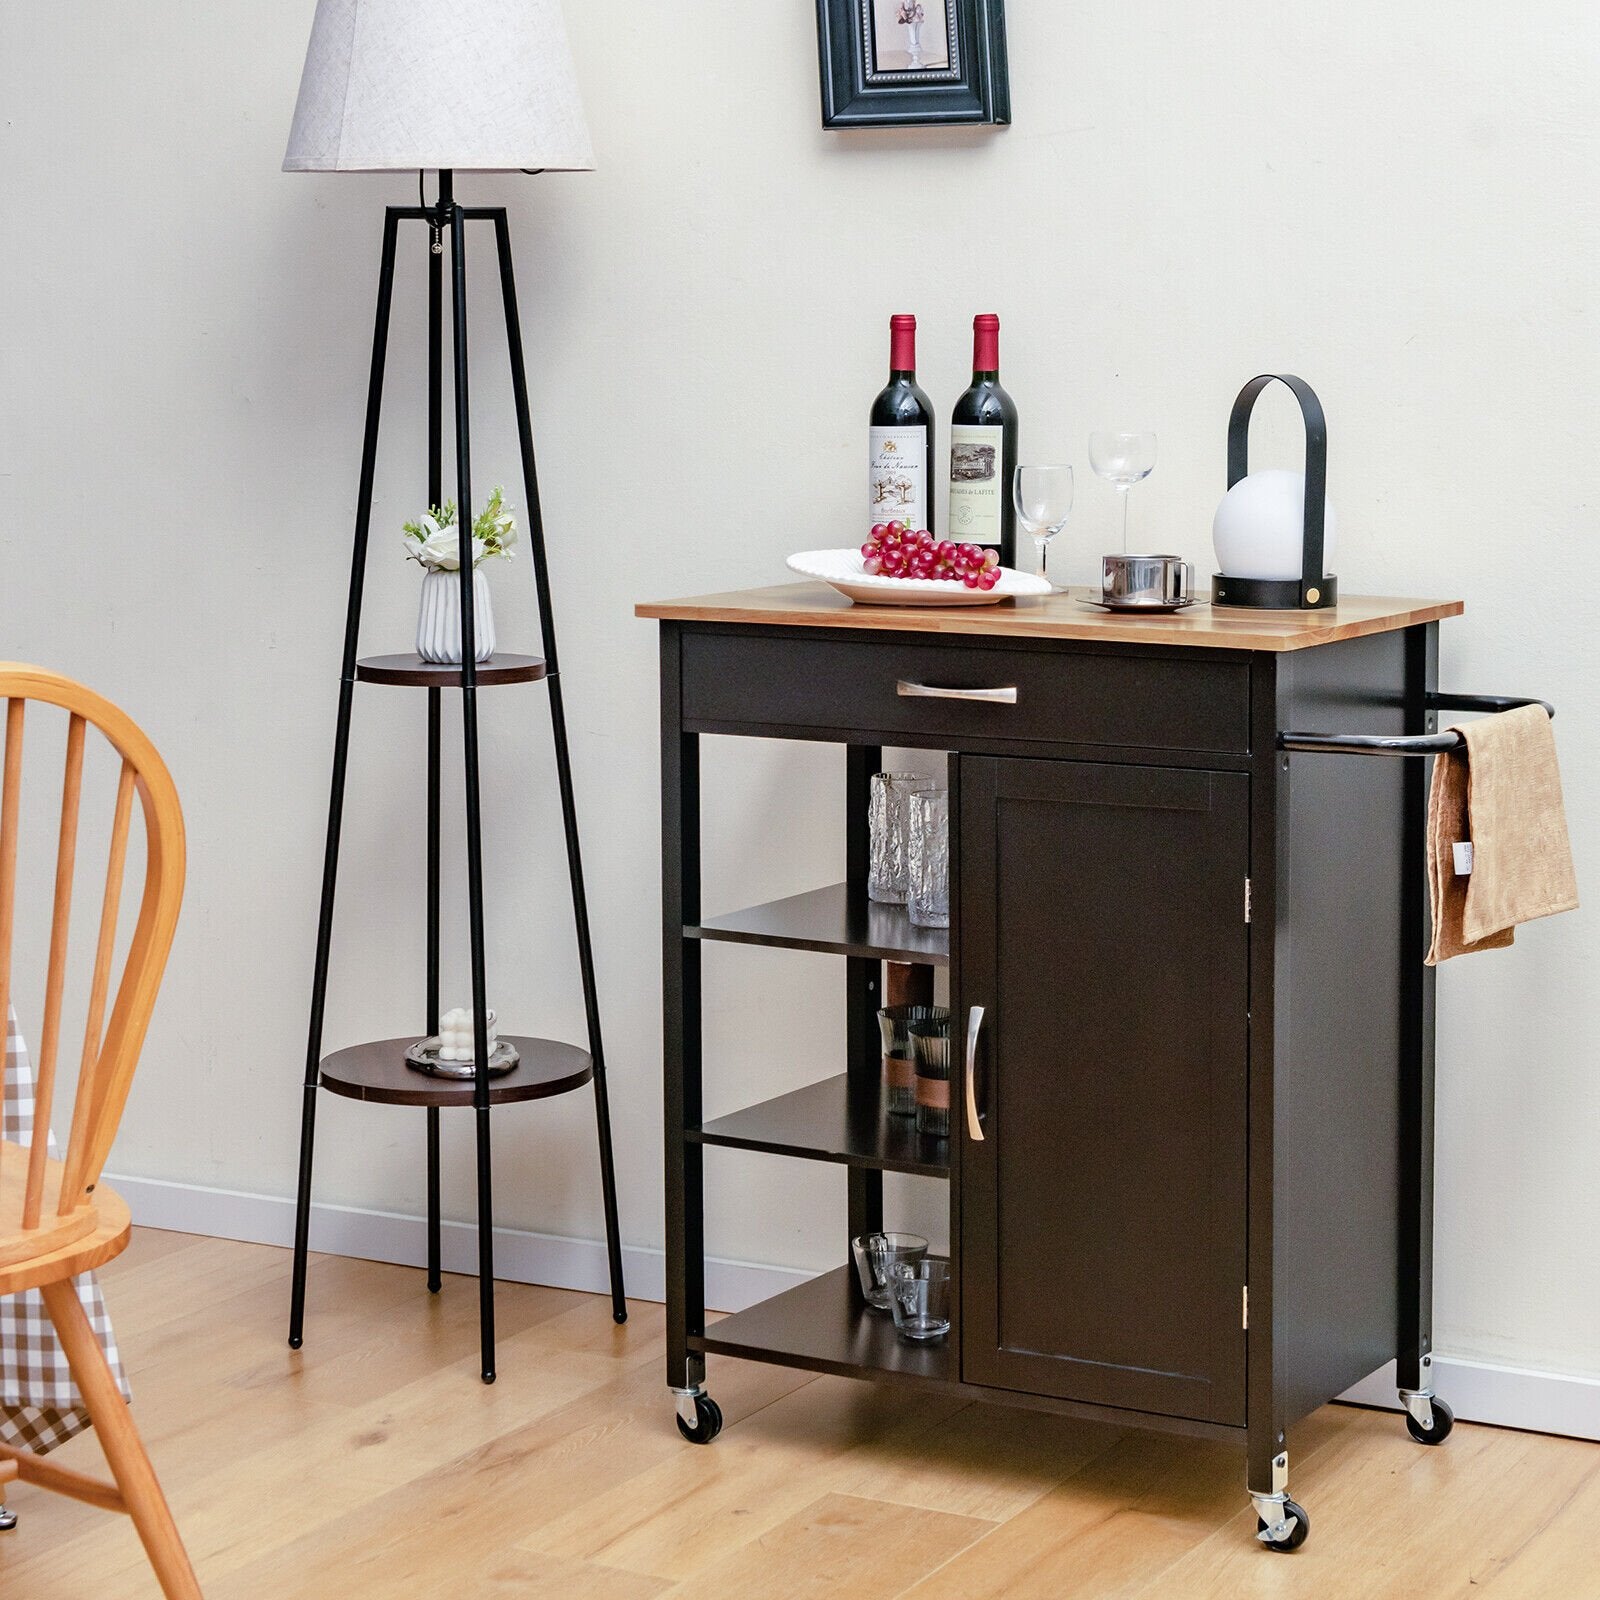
(1189, 1171)
(1103, 1212)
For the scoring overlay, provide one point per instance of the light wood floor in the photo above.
(373, 1463)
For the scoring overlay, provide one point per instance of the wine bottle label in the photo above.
(975, 486)
(897, 476)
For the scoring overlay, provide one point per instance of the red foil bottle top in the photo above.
(902, 343)
(986, 343)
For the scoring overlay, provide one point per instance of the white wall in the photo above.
(1396, 201)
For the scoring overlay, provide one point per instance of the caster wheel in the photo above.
(1297, 1534)
(8, 1519)
(1444, 1419)
(707, 1421)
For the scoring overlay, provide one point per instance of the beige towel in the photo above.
(1503, 793)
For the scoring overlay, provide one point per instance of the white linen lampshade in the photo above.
(476, 85)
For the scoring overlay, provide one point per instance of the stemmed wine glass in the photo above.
(1043, 498)
(1122, 459)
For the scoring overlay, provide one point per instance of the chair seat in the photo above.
(60, 1247)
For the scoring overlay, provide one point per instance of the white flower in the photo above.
(440, 548)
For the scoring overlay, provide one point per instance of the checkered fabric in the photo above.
(40, 1406)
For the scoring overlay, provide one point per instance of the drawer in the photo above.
(806, 684)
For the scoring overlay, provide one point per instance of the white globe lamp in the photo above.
(1259, 528)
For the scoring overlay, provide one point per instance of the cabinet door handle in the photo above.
(974, 1023)
(930, 691)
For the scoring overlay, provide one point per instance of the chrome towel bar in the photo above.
(1409, 744)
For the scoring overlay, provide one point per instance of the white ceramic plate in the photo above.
(843, 569)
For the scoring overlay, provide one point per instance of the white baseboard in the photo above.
(1509, 1397)
(519, 1257)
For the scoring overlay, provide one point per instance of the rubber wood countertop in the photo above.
(1063, 616)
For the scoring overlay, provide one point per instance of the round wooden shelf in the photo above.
(414, 672)
(378, 1072)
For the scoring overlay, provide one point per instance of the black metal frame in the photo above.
(445, 216)
(974, 88)
(1313, 590)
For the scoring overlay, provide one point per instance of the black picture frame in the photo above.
(866, 84)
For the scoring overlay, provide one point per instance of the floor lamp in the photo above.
(425, 85)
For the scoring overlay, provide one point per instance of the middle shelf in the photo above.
(833, 921)
(834, 1120)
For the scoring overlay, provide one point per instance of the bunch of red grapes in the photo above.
(894, 550)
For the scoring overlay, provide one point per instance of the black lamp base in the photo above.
(1275, 594)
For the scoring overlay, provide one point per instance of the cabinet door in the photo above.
(1103, 1213)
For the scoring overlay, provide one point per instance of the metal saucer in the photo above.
(423, 1056)
(1160, 608)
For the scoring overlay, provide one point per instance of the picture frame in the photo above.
(912, 63)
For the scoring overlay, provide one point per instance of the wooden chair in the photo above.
(56, 1217)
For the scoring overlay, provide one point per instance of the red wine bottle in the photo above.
(983, 452)
(900, 454)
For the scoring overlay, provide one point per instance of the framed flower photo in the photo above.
(899, 63)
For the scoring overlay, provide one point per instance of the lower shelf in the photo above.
(823, 1326)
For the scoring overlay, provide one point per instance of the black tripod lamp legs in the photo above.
(485, 1246)
(434, 1279)
(302, 1219)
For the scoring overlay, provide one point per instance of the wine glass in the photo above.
(1043, 498)
(1122, 459)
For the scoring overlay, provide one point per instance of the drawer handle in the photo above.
(974, 1023)
(929, 691)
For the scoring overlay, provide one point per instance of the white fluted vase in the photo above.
(439, 618)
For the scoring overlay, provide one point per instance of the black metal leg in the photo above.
(469, 733)
(569, 813)
(435, 1278)
(341, 752)
(435, 497)
(681, 1020)
(863, 981)
(1414, 1340)
(485, 1245)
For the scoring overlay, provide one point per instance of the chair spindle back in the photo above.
(110, 1047)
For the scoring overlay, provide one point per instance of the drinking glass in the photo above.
(1043, 498)
(895, 1023)
(887, 825)
(919, 1296)
(1122, 459)
(877, 1255)
(932, 1089)
(928, 859)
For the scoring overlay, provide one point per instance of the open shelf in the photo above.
(823, 1326)
(412, 670)
(378, 1072)
(835, 922)
(831, 1121)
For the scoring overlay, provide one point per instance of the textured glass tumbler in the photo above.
(928, 859)
(888, 825)
(919, 1296)
(896, 1023)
